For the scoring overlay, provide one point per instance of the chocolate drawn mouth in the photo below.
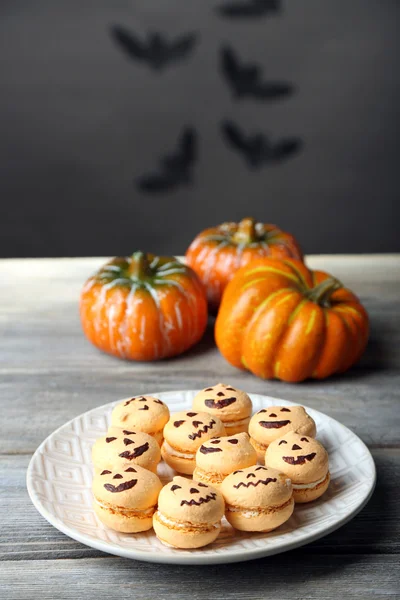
(300, 460)
(200, 432)
(200, 501)
(274, 424)
(122, 487)
(205, 450)
(251, 483)
(210, 403)
(137, 452)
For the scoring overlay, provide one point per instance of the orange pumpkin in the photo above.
(279, 319)
(217, 253)
(143, 307)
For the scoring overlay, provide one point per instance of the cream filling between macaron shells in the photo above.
(127, 512)
(230, 423)
(185, 524)
(174, 452)
(309, 486)
(255, 512)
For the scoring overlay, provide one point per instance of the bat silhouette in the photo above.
(258, 149)
(252, 8)
(175, 169)
(246, 79)
(155, 52)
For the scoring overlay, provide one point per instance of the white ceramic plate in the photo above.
(60, 474)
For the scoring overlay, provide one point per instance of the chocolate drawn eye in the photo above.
(296, 447)
(126, 432)
(215, 441)
(142, 399)
(208, 390)
(233, 441)
(250, 475)
(285, 410)
(282, 442)
(127, 441)
(234, 472)
(130, 470)
(110, 439)
(178, 423)
(261, 411)
(117, 476)
(305, 440)
(272, 415)
(157, 401)
(145, 407)
(191, 414)
(105, 472)
(194, 491)
(202, 485)
(197, 423)
(220, 394)
(231, 389)
(175, 487)
(263, 468)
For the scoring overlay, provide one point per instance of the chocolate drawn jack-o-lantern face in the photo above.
(143, 402)
(125, 480)
(271, 423)
(253, 477)
(124, 448)
(227, 444)
(297, 457)
(219, 396)
(275, 418)
(133, 452)
(197, 424)
(302, 457)
(191, 493)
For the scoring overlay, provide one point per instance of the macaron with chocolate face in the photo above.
(269, 424)
(184, 433)
(304, 460)
(229, 404)
(125, 500)
(217, 458)
(257, 498)
(189, 514)
(142, 413)
(122, 448)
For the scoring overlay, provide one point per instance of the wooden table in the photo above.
(49, 374)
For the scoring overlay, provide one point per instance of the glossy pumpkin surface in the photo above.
(217, 253)
(143, 307)
(279, 319)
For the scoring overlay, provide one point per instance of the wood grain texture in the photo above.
(49, 374)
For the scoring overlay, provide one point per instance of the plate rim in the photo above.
(191, 557)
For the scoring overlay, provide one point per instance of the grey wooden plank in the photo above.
(279, 577)
(28, 536)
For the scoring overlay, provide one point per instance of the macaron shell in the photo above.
(260, 450)
(269, 424)
(308, 495)
(178, 463)
(233, 427)
(135, 488)
(122, 523)
(188, 501)
(212, 479)
(263, 521)
(310, 457)
(226, 454)
(256, 487)
(184, 537)
(224, 401)
(158, 436)
(141, 413)
(119, 450)
(187, 430)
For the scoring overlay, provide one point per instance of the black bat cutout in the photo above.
(156, 52)
(258, 150)
(175, 169)
(249, 9)
(246, 79)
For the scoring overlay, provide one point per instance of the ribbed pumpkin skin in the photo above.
(143, 307)
(268, 325)
(218, 252)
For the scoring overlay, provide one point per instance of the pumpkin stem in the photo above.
(246, 232)
(321, 293)
(140, 265)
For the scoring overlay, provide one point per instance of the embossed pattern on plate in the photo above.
(60, 474)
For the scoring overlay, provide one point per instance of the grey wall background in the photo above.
(80, 122)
